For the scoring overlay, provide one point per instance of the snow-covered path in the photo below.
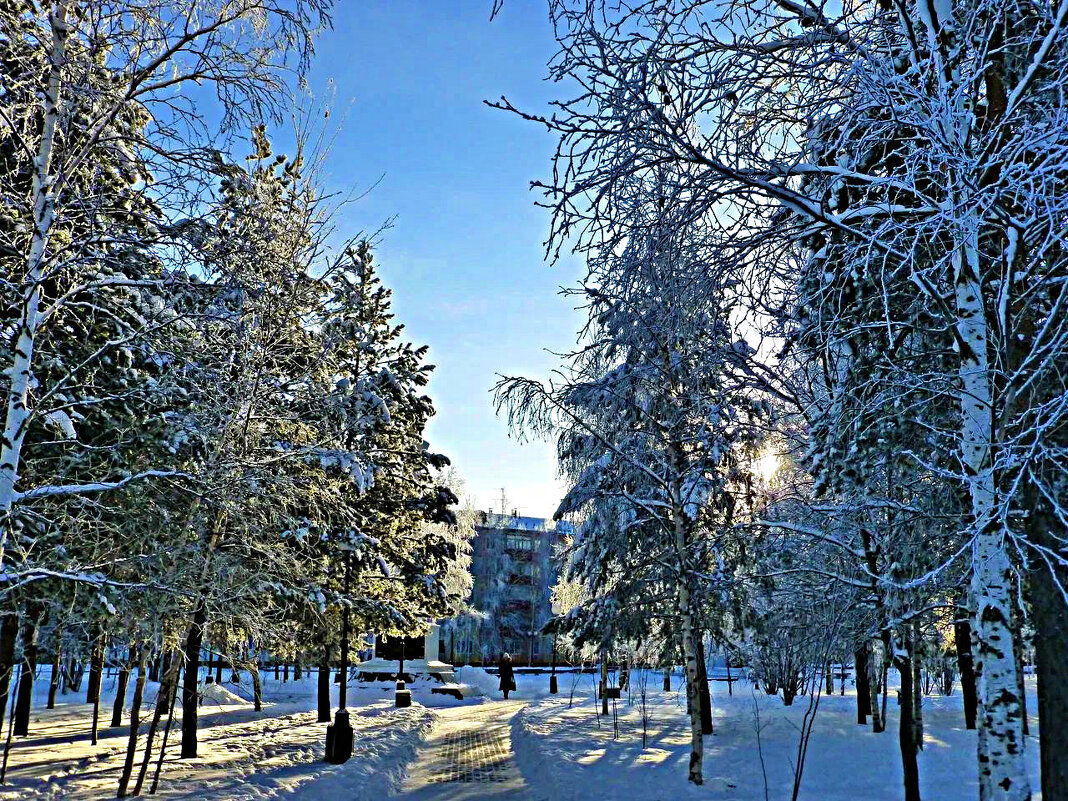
(469, 755)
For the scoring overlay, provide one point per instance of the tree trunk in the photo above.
(257, 684)
(324, 686)
(907, 727)
(884, 687)
(135, 720)
(218, 668)
(96, 720)
(43, 200)
(1017, 654)
(917, 696)
(604, 684)
(167, 688)
(120, 691)
(878, 722)
(828, 677)
(689, 655)
(163, 745)
(860, 658)
(29, 667)
(962, 635)
(297, 670)
(9, 632)
(68, 675)
(1002, 770)
(77, 670)
(190, 696)
(702, 688)
(695, 774)
(1051, 658)
(96, 666)
(57, 668)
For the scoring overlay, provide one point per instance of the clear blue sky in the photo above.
(465, 255)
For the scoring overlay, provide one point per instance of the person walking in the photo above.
(507, 675)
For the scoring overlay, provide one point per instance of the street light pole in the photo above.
(344, 691)
(339, 733)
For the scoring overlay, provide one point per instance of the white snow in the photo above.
(244, 754)
(568, 751)
(562, 752)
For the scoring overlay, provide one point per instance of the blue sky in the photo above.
(465, 255)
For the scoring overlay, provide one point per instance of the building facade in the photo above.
(514, 569)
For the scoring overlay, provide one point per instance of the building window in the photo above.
(517, 542)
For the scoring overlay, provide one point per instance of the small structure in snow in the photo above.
(385, 663)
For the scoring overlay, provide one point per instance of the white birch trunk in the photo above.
(689, 652)
(1002, 771)
(21, 367)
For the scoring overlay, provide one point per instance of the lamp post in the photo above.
(553, 685)
(339, 733)
(403, 696)
(553, 682)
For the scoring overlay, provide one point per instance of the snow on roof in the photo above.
(521, 523)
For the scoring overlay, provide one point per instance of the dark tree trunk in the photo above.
(120, 690)
(163, 745)
(828, 677)
(907, 729)
(157, 665)
(68, 675)
(77, 669)
(9, 632)
(24, 700)
(1017, 653)
(96, 667)
(885, 689)
(962, 635)
(917, 696)
(57, 668)
(704, 697)
(1051, 660)
(190, 696)
(324, 686)
(285, 673)
(297, 672)
(257, 683)
(860, 659)
(167, 689)
(135, 720)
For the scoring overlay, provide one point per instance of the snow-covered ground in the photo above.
(561, 752)
(243, 754)
(568, 751)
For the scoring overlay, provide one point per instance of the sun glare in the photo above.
(767, 465)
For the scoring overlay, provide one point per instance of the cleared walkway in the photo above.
(469, 756)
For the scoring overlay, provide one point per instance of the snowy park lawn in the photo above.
(574, 750)
(243, 754)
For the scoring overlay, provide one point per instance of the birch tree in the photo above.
(103, 65)
(737, 95)
(649, 420)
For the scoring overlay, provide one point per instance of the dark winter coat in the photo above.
(507, 676)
